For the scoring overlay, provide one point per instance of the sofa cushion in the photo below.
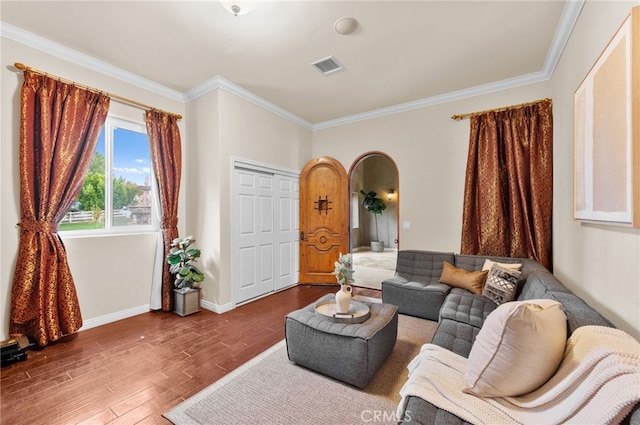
(460, 278)
(415, 298)
(455, 336)
(517, 350)
(501, 284)
(465, 307)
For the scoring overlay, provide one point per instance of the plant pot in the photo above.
(186, 302)
(377, 246)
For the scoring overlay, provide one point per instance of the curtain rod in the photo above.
(504, 108)
(23, 67)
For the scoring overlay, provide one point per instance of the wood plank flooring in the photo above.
(133, 370)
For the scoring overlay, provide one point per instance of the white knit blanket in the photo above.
(598, 382)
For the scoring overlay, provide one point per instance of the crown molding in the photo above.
(58, 50)
(572, 9)
(565, 26)
(218, 82)
(436, 100)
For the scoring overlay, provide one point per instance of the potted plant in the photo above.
(374, 205)
(186, 288)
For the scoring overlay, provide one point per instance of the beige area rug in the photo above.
(371, 268)
(269, 389)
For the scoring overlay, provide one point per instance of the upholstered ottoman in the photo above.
(351, 353)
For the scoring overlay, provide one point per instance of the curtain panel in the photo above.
(59, 129)
(509, 184)
(166, 156)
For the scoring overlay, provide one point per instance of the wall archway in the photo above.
(375, 171)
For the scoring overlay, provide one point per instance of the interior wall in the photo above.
(112, 273)
(599, 263)
(430, 152)
(240, 130)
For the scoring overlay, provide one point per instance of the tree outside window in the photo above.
(117, 192)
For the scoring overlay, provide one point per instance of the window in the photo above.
(118, 193)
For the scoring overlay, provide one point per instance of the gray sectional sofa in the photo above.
(416, 290)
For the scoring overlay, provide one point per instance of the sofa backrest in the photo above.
(422, 266)
(540, 283)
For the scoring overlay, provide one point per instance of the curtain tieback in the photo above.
(169, 223)
(38, 226)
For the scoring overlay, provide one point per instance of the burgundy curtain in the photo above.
(509, 184)
(59, 129)
(166, 155)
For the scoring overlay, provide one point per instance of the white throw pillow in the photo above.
(518, 348)
(511, 266)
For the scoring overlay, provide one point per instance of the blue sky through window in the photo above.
(131, 155)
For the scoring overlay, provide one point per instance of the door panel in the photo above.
(324, 219)
(287, 194)
(255, 235)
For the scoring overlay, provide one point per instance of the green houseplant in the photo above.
(186, 291)
(376, 206)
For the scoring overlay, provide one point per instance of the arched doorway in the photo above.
(377, 172)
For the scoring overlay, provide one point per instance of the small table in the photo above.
(349, 352)
(358, 311)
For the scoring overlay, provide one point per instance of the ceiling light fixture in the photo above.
(238, 7)
(345, 25)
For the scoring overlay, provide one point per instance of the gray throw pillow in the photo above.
(501, 284)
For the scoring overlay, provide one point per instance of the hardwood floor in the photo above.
(133, 370)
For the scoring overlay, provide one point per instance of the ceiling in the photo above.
(403, 53)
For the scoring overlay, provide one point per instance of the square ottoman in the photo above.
(349, 352)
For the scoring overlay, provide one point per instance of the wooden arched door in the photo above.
(324, 219)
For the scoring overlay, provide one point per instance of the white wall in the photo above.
(430, 151)
(599, 263)
(112, 274)
(227, 127)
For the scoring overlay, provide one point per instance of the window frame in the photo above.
(111, 124)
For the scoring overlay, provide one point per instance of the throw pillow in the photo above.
(460, 278)
(518, 348)
(512, 266)
(501, 284)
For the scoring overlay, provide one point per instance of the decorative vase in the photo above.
(343, 299)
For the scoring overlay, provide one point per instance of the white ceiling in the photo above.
(404, 53)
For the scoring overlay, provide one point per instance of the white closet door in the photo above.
(287, 231)
(255, 242)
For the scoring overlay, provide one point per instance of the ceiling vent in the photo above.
(327, 65)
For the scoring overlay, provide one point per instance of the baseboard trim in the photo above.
(216, 308)
(125, 314)
(114, 317)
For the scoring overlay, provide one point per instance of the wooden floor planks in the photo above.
(133, 370)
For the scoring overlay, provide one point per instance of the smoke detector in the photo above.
(328, 65)
(345, 25)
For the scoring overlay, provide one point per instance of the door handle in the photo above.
(301, 236)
